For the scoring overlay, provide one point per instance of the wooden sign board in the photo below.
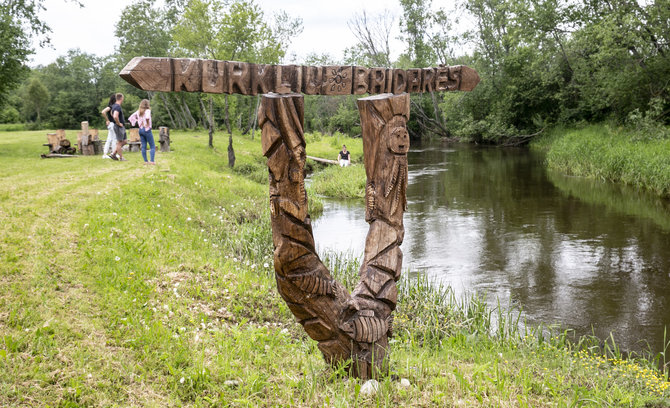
(234, 77)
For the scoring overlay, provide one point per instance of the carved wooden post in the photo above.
(345, 326)
(385, 146)
(164, 138)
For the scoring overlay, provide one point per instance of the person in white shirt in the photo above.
(110, 144)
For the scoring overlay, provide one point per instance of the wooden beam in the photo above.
(325, 161)
(234, 77)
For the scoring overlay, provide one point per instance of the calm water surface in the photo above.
(586, 255)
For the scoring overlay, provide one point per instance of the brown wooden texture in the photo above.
(84, 133)
(345, 325)
(212, 76)
(134, 135)
(58, 144)
(53, 139)
(86, 140)
(164, 138)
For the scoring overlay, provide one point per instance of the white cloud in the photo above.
(91, 28)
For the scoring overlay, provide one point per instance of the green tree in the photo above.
(36, 98)
(144, 30)
(234, 30)
(19, 26)
(74, 83)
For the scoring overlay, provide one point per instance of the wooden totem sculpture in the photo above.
(347, 326)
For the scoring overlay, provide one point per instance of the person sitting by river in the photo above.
(343, 157)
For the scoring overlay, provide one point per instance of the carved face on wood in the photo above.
(398, 138)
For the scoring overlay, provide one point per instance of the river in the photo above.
(586, 255)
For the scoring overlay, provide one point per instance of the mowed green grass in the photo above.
(131, 285)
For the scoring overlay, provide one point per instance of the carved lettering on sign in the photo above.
(377, 80)
(262, 78)
(239, 78)
(399, 81)
(361, 79)
(288, 78)
(414, 80)
(428, 81)
(188, 74)
(312, 80)
(195, 75)
(214, 78)
(454, 81)
(441, 78)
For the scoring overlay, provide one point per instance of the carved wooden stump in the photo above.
(164, 139)
(345, 325)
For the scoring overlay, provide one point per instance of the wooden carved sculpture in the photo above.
(355, 325)
(233, 77)
(346, 325)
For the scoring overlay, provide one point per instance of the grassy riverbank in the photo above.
(608, 153)
(128, 285)
(335, 181)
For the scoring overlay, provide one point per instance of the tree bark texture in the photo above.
(167, 109)
(231, 152)
(346, 325)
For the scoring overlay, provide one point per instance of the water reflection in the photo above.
(583, 254)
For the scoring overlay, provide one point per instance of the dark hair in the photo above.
(119, 96)
(112, 100)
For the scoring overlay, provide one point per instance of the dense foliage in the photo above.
(542, 62)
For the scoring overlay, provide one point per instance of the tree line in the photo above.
(542, 63)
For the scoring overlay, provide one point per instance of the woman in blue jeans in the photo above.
(143, 118)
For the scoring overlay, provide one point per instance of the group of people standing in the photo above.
(116, 131)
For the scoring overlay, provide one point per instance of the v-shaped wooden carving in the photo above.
(345, 325)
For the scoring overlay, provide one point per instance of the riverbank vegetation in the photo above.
(610, 153)
(156, 288)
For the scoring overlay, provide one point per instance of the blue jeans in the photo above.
(147, 137)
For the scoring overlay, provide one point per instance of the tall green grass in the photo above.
(611, 154)
(340, 182)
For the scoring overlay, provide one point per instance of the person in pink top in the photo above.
(142, 117)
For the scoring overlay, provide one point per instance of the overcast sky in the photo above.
(91, 28)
